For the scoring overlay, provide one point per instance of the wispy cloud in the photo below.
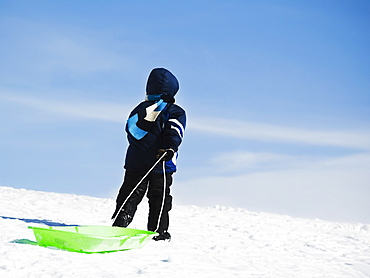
(226, 162)
(78, 55)
(353, 139)
(80, 109)
(64, 48)
(334, 188)
(241, 161)
(356, 139)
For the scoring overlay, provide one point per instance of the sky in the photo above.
(277, 95)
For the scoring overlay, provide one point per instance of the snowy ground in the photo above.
(207, 242)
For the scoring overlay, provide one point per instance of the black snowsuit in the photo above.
(154, 124)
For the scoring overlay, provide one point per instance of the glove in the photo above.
(169, 154)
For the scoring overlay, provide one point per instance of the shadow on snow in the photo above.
(38, 221)
(34, 221)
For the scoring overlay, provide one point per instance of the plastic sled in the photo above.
(91, 239)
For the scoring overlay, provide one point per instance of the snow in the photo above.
(206, 242)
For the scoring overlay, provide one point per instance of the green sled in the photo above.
(91, 239)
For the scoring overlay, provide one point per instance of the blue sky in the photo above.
(277, 95)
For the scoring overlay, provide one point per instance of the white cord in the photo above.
(155, 164)
(164, 196)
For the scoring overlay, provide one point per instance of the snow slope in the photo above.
(207, 242)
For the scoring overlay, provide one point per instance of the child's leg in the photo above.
(159, 208)
(127, 213)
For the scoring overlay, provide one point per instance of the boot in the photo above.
(123, 220)
(163, 236)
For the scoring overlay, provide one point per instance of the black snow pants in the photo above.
(160, 203)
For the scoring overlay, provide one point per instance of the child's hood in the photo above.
(162, 81)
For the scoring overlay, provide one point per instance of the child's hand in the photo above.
(168, 156)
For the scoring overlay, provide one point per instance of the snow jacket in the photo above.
(154, 124)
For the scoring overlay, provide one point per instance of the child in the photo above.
(155, 129)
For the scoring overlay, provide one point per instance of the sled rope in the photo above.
(164, 196)
(133, 190)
